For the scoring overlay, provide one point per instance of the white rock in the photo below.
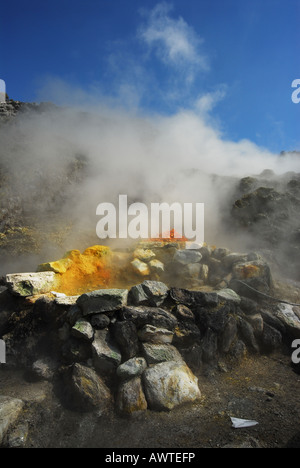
(10, 409)
(170, 384)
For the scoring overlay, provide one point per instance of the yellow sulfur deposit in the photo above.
(79, 273)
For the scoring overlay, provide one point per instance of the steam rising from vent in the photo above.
(58, 164)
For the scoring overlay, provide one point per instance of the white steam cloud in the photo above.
(149, 157)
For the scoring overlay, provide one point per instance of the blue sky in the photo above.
(231, 61)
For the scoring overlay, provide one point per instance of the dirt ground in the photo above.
(263, 388)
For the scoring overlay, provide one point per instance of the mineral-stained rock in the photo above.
(156, 266)
(145, 255)
(152, 293)
(132, 368)
(106, 355)
(152, 334)
(59, 266)
(130, 397)
(87, 390)
(10, 409)
(155, 353)
(30, 284)
(254, 269)
(170, 384)
(102, 300)
(140, 267)
(186, 334)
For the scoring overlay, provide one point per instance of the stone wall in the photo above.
(145, 347)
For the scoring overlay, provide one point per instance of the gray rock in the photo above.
(106, 355)
(102, 300)
(10, 410)
(125, 335)
(220, 252)
(83, 330)
(130, 397)
(132, 368)
(170, 384)
(210, 347)
(247, 335)
(152, 334)
(286, 314)
(156, 353)
(257, 323)
(66, 301)
(271, 339)
(190, 298)
(273, 321)
(100, 321)
(229, 335)
(143, 315)
(184, 257)
(183, 313)
(238, 350)
(30, 284)
(229, 295)
(152, 293)
(232, 258)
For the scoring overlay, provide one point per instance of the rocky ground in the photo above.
(261, 388)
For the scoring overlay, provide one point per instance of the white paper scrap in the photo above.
(237, 423)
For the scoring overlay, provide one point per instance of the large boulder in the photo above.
(102, 300)
(30, 284)
(170, 384)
